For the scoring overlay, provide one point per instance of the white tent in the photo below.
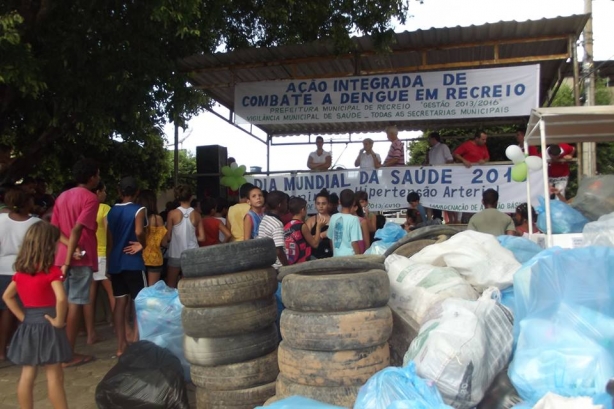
(566, 125)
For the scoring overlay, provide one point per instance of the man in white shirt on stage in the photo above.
(319, 160)
(438, 153)
(367, 159)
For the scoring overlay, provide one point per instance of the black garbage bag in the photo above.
(146, 376)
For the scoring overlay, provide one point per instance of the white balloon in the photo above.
(514, 153)
(234, 165)
(534, 162)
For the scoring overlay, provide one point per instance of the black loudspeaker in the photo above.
(210, 159)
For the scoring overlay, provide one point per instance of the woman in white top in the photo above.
(13, 226)
(182, 225)
(319, 160)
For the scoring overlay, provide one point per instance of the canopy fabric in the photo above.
(571, 124)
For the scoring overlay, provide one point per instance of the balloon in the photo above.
(233, 176)
(226, 180)
(519, 172)
(226, 171)
(514, 153)
(534, 162)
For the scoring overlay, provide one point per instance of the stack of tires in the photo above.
(229, 319)
(335, 328)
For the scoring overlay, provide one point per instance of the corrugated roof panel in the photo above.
(217, 72)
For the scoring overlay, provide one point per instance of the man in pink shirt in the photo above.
(74, 213)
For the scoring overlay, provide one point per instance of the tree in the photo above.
(187, 169)
(81, 73)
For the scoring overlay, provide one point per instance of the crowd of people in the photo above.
(57, 253)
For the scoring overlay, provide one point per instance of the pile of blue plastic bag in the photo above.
(158, 314)
(564, 324)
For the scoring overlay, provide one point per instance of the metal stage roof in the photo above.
(547, 42)
(572, 124)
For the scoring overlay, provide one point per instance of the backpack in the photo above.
(297, 249)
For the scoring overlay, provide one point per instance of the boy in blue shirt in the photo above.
(344, 228)
(125, 242)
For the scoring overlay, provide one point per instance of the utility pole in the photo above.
(589, 149)
(176, 156)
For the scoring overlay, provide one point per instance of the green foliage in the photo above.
(187, 169)
(75, 76)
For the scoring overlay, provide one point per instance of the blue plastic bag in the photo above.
(564, 326)
(158, 314)
(565, 219)
(298, 402)
(522, 248)
(401, 387)
(508, 298)
(387, 236)
(390, 233)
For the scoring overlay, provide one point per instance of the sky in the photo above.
(207, 129)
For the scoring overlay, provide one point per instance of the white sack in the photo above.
(478, 257)
(415, 287)
(601, 232)
(464, 348)
(554, 401)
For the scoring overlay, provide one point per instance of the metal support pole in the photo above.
(576, 71)
(589, 149)
(542, 134)
(529, 202)
(176, 157)
(268, 154)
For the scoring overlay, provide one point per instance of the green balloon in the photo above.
(226, 181)
(226, 171)
(519, 172)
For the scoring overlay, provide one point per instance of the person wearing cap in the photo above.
(367, 159)
(74, 213)
(396, 154)
(319, 160)
(125, 241)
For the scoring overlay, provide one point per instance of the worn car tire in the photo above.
(242, 375)
(228, 288)
(230, 350)
(336, 292)
(428, 232)
(340, 368)
(229, 320)
(335, 265)
(235, 399)
(344, 396)
(316, 331)
(413, 247)
(272, 400)
(228, 258)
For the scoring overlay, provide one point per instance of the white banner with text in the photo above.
(478, 93)
(453, 188)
